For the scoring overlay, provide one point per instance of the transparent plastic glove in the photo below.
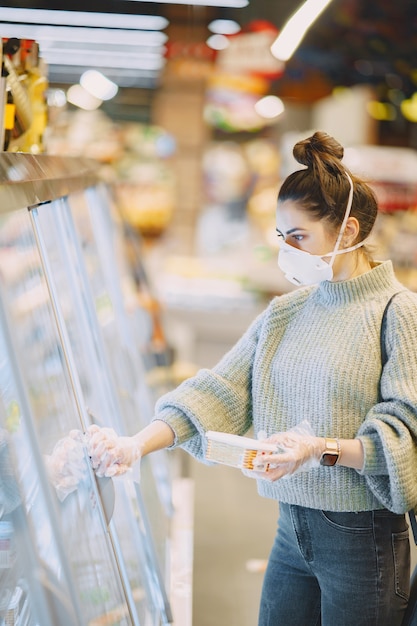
(299, 451)
(261, 461)
(111, 454)
(66, 465)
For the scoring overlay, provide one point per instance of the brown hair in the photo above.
(323, 187)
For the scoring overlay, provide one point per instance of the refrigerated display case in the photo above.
(102, 545)
(34, 588)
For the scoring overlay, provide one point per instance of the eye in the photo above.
(280, 235)
(298, 237)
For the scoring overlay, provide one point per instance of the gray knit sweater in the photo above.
(315, 354)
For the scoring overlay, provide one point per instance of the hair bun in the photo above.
(319, 146)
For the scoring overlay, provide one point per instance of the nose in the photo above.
(289, 242)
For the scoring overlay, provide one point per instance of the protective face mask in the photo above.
(302, 268)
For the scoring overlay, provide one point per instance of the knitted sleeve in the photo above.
(389, 432)
(216, 399)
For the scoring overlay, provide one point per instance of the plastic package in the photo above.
(236, 451)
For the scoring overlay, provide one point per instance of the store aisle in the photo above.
(232, 525)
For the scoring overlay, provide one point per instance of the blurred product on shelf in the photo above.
(23, 87)
(91, 134)
(241, 183)
(392, 172)
(227, 182)
(242, 73)
(145, 188)
(147, 202)
(396, 238)
(135, 160)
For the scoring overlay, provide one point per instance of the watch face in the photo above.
(328, 460)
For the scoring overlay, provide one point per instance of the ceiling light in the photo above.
(269, 107)
(78, 96)
(217, 42)
(86, 58)
(294, 30)
(67, 74)
(236, 4)
(106, 36)
(224, 27)
(82, 18)
(98, 85)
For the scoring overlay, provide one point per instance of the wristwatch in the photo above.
(331, 452)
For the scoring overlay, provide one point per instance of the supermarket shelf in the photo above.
(27, 180)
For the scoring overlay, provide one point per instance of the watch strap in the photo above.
(331, 453)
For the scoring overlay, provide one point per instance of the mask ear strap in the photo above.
(345, 219)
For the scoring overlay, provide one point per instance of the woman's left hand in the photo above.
(298, 452)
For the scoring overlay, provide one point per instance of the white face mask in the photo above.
(302, 268)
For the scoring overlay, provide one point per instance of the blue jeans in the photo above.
(337, 569)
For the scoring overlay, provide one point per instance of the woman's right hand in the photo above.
(111, 454)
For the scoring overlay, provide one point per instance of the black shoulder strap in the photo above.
(413, 522)
(384, 355)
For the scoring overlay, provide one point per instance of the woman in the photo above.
(341, 554)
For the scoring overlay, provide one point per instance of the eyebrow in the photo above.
(292, 230)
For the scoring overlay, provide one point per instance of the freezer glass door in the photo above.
(35, 585)
(56, 411)
(109, 281)
(128, 522)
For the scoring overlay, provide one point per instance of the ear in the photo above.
(351, 232)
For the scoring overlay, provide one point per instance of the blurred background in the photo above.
(193, 115)
(191, 110)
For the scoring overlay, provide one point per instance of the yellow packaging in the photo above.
(9, 114)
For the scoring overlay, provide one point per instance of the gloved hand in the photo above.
(299, 450)
(110, 454)
(66, 465)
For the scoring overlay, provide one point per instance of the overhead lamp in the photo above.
(234, 4)
(269, 107)
(294, 30)
(77, 34)
(106, 36)
(217, 42)
(224, 27)
(67, 74)
(87, 58)
(83, 18)
(81, 98)
(98, 85)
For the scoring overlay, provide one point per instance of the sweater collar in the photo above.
(380, 278)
